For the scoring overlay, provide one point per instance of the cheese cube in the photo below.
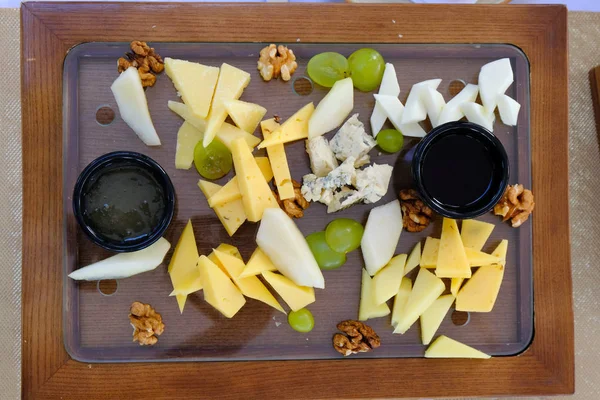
(452, 260)
(444, 347)
(258, 263)
(194, 82)
(182, 267)
(245, 115)
(219, 291)
(430, 252)
(232, 81)
(432, 318)
(368, 308)
(279, 164)
(228, 133)
(232, 214)
(477, 258)
(455, 285)
(295, 128)
(426, 290)
(186, 113)
(256, 194)
(414, 259)
(475, 233)
(401, 299)
(295, 296)
(387, 281)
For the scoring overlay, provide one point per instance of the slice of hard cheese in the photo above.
(430, 252)
(414, 259)
(480, 292)
(477, 258)
(265, 167)
(401, 299)
(232, 81)
(426, 290)
(194, 82)
(386, 282)
(455, 285)
(295, 296)
(231, 190)
(256, 194)
(181, 298)
(182, 267)
(452, 260)
(186, 113)
(432, 318)
(187, 138)
(258, 263)
(278, 159)
(475, 233)
(368, 308)
(245, 115)
(228, 133)
(501, 250)
(295, 128)
(219, 291)
(232, 214)
(224, 248)
(444, 347)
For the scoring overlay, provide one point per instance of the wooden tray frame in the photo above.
(49, 30)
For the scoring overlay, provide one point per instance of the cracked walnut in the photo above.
(147, 323)
(416, 216)
(516, 205)
(144, 59)
(275, 61)
(358, 338)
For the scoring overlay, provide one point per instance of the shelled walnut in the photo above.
(145, 59)
(416, 216)
(516, 205)
(275, 61)
(293, 207)
(147, 323)
(358, 338)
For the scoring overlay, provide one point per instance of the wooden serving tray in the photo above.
(49, 30)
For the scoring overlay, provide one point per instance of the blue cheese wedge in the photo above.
(322, 159)
(373, 181)
(322, 189)
(343, 199)
(352, 141)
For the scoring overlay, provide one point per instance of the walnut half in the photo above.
(293, 207)
(147, 323)
(358, 338)
(275, 61)
(516, 205)
(145, 59)
(416, 216)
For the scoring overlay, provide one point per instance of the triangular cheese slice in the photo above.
(245, 115)
(432, 318)
(295, 128)
(386, 281)
(430, 252)
(182, 267)
(295, 296)
(258, 263)
(455, 285)
(187, 139)
(219, 290)
(475, 233)
(414, 259)
(368, 308)
(477, 258)
(232, 214)
(401, 299)
(194, 82)
(452, 260)
(444, 347)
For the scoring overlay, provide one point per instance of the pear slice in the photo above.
(332, 111)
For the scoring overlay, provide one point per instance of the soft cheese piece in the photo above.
(279, 163)
(509, 109)
(452, 260)
(232, 215)
(394, 110)
(313, 187)
(322, 159)
(373, 181)
(245, 115)
(194, 82)
(451, 111)
(432, 318)
(444, 347)
(352, 141)
(345, 198)
(478, 115)
(494, 79)
(219, 290)
(381, 235)
(294, 128)
(295, 296)
(187, 138)
(414, 110)
(389, 87)
(434, 104)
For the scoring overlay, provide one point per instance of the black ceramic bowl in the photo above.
(124, 201)
(460, 170)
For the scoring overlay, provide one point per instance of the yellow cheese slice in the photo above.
(184, 112)
(475, 233)
(181, 298)
(295, 128)
(187, 138)
(477, 258)
(425, 291)
(258, 263)
(219, 290)
(182, 267)
(501, 251)
(414, 259)
(231, 190)
(231, 215)
(232, 81)
(295, 296)
(452, 260)
(229, 249)
(386, 281)
(444, 347)
(279, 164)
(368, 308)
(228, 133)
(194, 82)
(401, 299)
(480, 292)
(256, 193)
(265, 167)
(250, 286)
(245, 115)
(455, 285)
(430, 252)
(432, 318)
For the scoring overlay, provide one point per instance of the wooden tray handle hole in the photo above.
(460, 318)
(108, 287)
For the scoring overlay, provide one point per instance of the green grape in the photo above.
(344, 235)
(325, 256)
(390, 140)
(325, 69)
(301, 320)
(366, 67)
(213, 161)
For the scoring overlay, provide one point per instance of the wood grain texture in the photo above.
(50, 29)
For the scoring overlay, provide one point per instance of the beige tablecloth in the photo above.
(585, 191)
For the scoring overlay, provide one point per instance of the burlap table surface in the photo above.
(584, 52)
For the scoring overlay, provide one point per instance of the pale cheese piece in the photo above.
(430, 252)
(368, 307)
(478, 258)
(296, 297)
(228, 133)
(229, 249)
(414, 259)
(294, 128)
(387, 281)
(245, 115)
(232, 214)
(343, 199)
(194, 82)
(187, 138)
(256, 193)
(182, 267)
(444, 347)
(229, 192)
(265, 167)
(373, 182)
(400, 300)
(351, 140)
(501, 251)
(475, 233)
(219, 290)
(426, 290)
(279, 164)
(432, 318)
(452, 260)
(181, 298)
(186, 113)
(258, 263)
(455, 284)
(232, 81)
